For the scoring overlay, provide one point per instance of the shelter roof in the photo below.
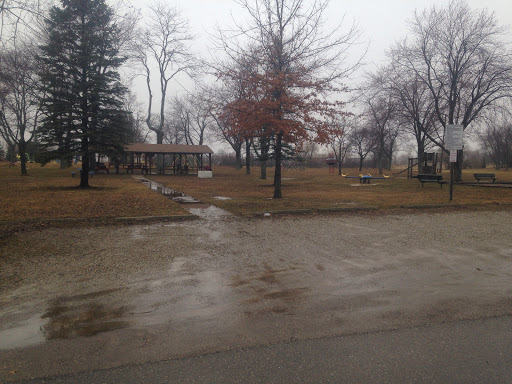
(168, 148)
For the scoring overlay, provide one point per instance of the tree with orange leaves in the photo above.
(290, 71)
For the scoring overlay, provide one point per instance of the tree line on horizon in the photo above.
(277, 83)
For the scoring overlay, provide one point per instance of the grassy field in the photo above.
(51, 193)
(317, 189)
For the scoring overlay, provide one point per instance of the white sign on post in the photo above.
(453, 137)
(453, 156)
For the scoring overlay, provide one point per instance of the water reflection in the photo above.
(194, 206)
(22, 333)
(65, 322)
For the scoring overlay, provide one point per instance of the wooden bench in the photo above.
(427, 178)
(480, 176)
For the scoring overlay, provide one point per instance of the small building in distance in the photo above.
(175, 159)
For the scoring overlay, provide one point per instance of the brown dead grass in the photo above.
(317, 189)
(51, 193)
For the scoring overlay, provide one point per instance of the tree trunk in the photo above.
(247, 157)
(339, 159)
(277, 174)
(380, 159)
(457, 167)
(238, 158)
(263, 170)
(22, 146)
(421, 151)
(159, 157)
(361, 159)
(84, 173)
(263, 157)
(390, 157)
(11, 152)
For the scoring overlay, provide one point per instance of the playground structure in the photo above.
(366, 179)
(427, 165)
(331, 162)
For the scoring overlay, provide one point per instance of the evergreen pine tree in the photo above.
(82, 92)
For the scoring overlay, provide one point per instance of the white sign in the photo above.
(453, 137)
(453, 156)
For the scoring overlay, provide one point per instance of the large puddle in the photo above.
(64, 317)
(23, 330)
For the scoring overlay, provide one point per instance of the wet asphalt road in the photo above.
(477, 351)
(93, 299)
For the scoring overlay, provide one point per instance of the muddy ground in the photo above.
(83, 298)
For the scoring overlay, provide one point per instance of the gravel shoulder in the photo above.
(82, 298)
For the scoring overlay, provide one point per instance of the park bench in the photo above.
(427, 178)
(480, 176)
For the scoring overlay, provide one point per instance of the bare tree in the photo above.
(136, 117)
(496, 138)
(20, 14)
(201, 120)
(381, 121)
(219, 97)
(163, 42)
(19, 101)
(308, 151)
(462, 57)
(222, 129)
(414, 106)
(179, 121)
(363, 142)
(341, 142)
(190, 118)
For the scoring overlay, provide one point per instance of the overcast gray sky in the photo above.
(381, 21)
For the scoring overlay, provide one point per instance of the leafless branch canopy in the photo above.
(163, 43)
(292, 33)
(463, 58)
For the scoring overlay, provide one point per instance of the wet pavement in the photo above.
(71, 302)
(476, 351)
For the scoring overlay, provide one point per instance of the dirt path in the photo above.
(73, 299)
